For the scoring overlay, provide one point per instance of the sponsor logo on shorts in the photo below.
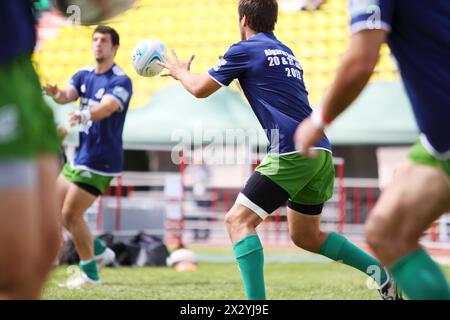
(86, 174)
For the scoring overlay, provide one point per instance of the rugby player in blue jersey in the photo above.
(104, 92)
(271, 78)
(418, 34)
(29, 144)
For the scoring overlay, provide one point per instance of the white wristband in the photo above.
(85, 115)
(316, 118)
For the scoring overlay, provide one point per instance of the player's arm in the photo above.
(103, 110)
(355, 71)
(61, 96)
(352, 76)
(199, 85)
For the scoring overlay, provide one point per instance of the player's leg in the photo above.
(85, 187)
(18, 201)
(304, 230)
(62, 187)
(48, 147)
(102, 254)
(304, 212)
(49, 224)
(276, 179)
(417, 196)
(76, 203)
(241, 223)
(24, 130)
(257, 200)
(306, 234)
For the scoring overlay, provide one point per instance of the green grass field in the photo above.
(221, 280)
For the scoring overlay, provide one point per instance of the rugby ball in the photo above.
(145, 57)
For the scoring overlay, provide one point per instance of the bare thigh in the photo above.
(76, 202)
(48, 172)
(417, 196)
(305, 230)
(62, 187)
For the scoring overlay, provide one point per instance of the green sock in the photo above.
(420, 277)
(338, 248)
(99, 247)
(89, 267)
(250, 258)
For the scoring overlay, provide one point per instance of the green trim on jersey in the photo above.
(27, 126)
(308, 181)
(97, 181)
(420, 155)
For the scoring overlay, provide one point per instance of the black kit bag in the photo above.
(153, 250)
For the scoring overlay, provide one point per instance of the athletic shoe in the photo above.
(107, 257)
(80, 281)
(389, 290)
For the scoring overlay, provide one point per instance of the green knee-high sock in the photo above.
(250, 258)
(420, 277)
(99, 247)
(338, 248)
(89, 267)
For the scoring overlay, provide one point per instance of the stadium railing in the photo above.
(187, 219)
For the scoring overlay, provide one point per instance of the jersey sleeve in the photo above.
(371, 15)
(121, 90)
(77, 81)
(233, 64)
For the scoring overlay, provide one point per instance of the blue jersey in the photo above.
(101, 148)
(272, 80)
(17, 29)
(419, 38)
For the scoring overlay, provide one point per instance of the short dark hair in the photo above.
(262, 14)
(105, 29)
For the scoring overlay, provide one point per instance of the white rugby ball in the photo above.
(92, 11)
(146, 56)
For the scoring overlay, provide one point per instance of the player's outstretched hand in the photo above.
(175, 67)
(51, 90)
(306, 136)
(74, 118)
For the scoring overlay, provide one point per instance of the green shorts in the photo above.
(420, 155)
(308, 181)
(86, 177)
(27, 126)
